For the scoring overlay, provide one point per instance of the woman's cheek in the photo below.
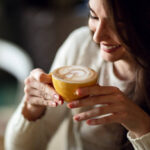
(92, 25)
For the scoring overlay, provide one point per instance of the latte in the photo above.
(67, 79)
(75, 74)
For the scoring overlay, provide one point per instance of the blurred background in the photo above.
(31, 31)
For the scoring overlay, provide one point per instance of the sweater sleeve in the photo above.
(141, 143)
(22, 134)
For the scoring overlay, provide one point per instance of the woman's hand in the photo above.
(116, 107)
(39, 93)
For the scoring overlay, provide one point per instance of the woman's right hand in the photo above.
(39, 93)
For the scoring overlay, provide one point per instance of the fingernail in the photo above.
(90, 122)
(77, 118)
(73, 104)
(70, 105)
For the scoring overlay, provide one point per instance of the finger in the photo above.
(29, 80)
(45, 93)
(45, 88)
(40, 102)
(97, 90)
(41, 76)
(97, 112)
(40, 86)
(93, 100)
(113, 118)
(37, 93)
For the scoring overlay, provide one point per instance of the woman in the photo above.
(119, 105)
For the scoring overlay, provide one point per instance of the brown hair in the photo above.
(135, 18)
(132, 22)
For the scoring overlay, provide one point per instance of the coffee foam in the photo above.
(75, 74)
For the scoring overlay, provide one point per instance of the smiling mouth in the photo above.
(110, 48)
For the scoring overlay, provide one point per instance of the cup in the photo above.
(67, 79)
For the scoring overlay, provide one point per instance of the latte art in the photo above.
(67, 79)
(75, 74)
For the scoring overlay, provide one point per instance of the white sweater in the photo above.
(56, 130)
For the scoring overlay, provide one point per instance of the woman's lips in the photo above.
(109, 48)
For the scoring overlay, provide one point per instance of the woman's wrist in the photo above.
(32, 113)
(141, 133)
(143, 129)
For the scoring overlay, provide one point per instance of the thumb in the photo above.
(46, 78)
(41, 76)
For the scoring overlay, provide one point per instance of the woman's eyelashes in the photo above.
(91, 16)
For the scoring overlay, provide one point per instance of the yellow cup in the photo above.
(67, 88)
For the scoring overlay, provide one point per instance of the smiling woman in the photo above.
(104, 33)
(113, 114)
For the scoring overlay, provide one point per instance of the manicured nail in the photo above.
(77, 118)
(70, 105)
(90, 122)
(73, 104)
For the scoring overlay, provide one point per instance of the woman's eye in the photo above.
(93, 17)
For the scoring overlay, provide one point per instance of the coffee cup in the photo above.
(67, 79)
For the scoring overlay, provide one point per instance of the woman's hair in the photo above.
(132, 22)
(134, 15)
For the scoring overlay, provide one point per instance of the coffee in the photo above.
(67, 79)
(75, 74)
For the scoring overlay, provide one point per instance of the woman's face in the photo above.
(104, 33)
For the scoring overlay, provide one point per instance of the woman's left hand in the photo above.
(116, 107)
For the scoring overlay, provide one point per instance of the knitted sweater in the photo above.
(56, 130)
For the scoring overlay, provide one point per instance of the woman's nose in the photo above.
(100, 33)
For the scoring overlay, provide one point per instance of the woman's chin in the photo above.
(112, 57)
